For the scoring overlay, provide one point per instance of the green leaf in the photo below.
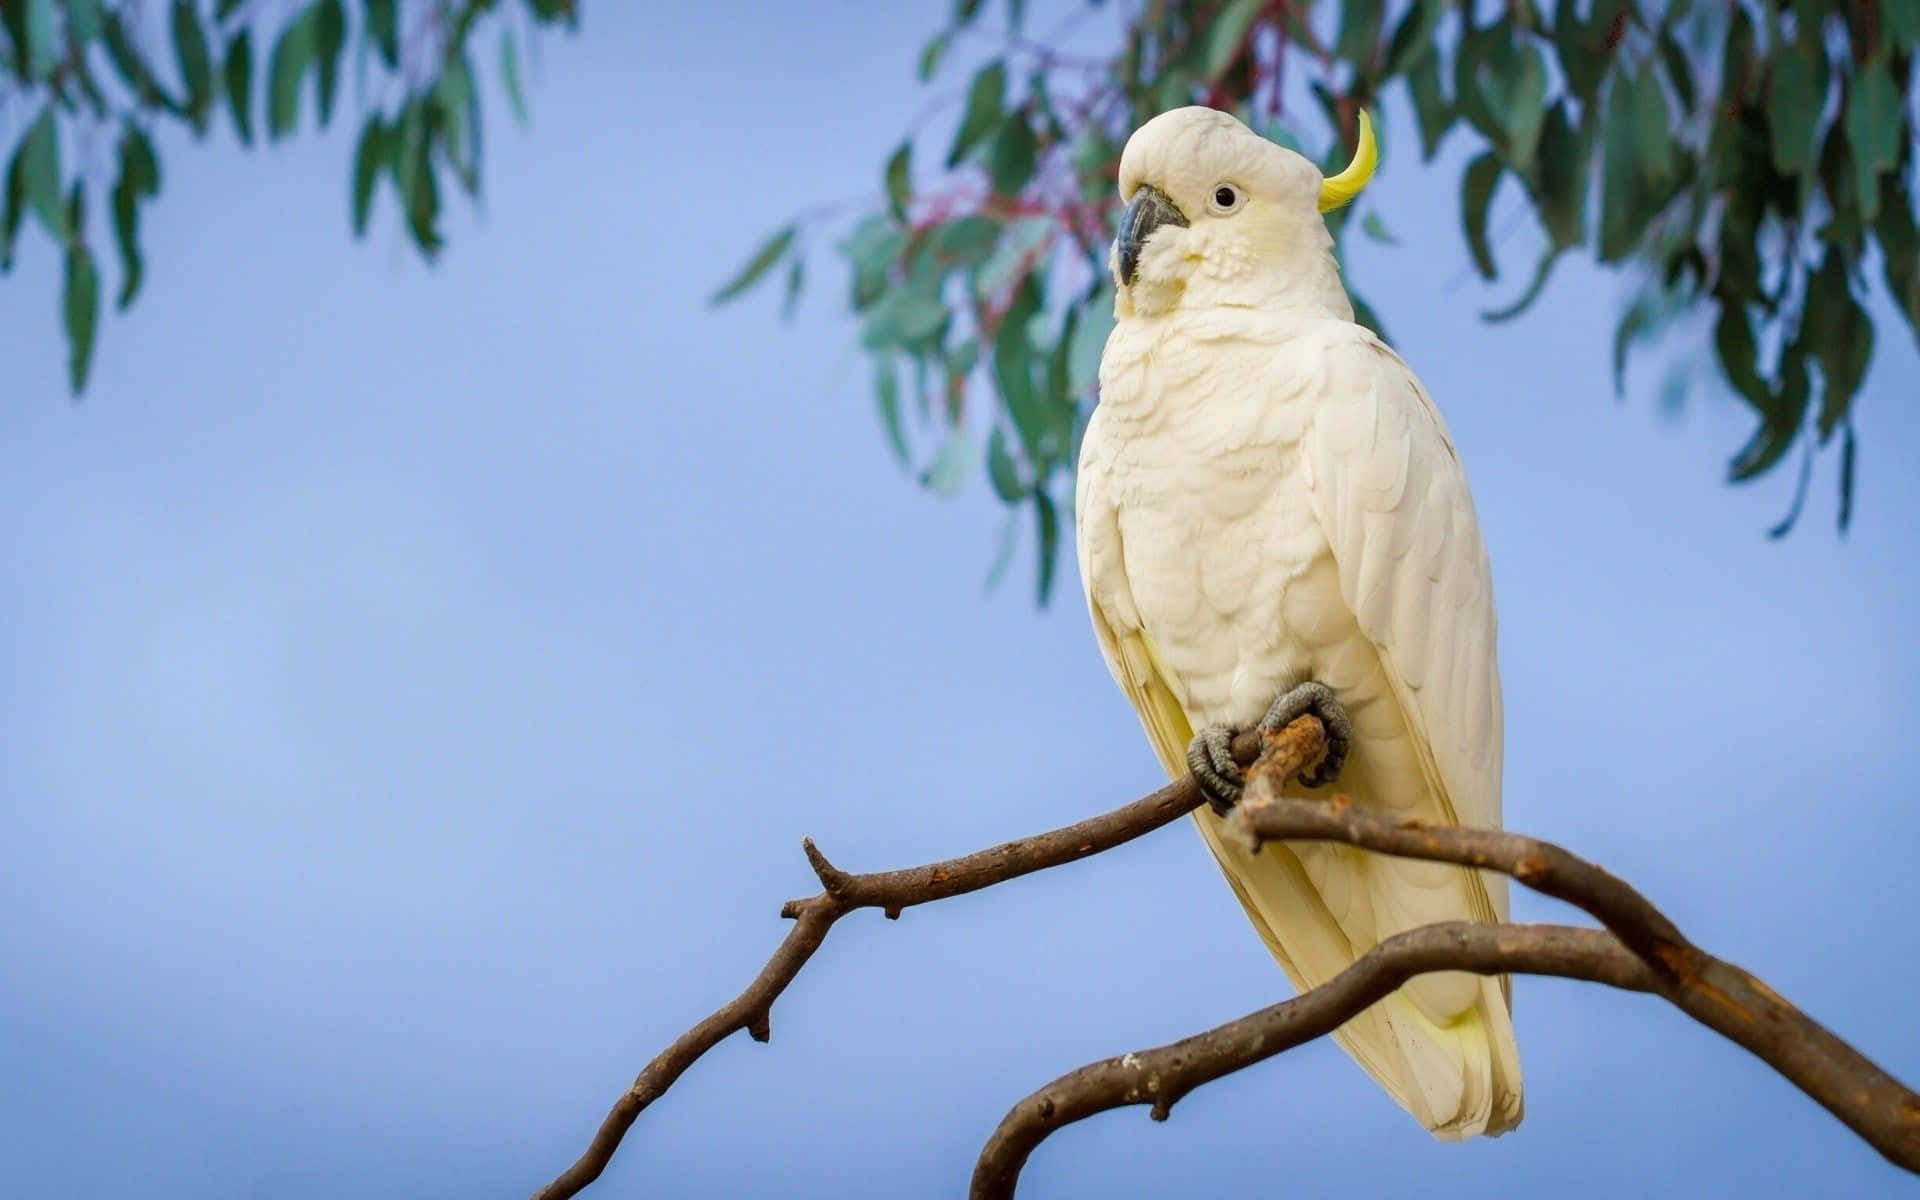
(138, 178)
(454, 96)
(287, 68)
(196, 61)
(1780, 421)
(32, 23)
(126, 60)
(237, 73)
(1795, 91)
(1002, 554)
(986, 104)
(1048, 520)
(1620, 208)
(1002, 471)
(1874, 123)
(899, 179)
(371, 154)
(1012, 155)
(1733, 343)
(1413, 38)
(80, 308)
(1541, 273)
(1018, 251)
(1900, 249)
(510, 76)
(1375, 228)
(951, 466)
(886, 386)
(383, 23)
(796, 278)
(964, 241)
(1227, 33)
(1476, 196)
(1525, 106)
(932, 53)
(1902, 20)
(1799, 497)
(330, 38)
(1846, 479)
(1559, 179)
(1432, 111)
(37, 159)
(770, 252)
(1839, 332)
(1634, 324)
(85, 20)
(1584, 56)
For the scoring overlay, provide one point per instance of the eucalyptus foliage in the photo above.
(79, 77)
(1743, 161)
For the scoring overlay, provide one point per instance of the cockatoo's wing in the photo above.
(1272, 886)
(1392, 500)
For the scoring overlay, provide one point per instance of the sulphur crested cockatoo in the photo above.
(1271, 520)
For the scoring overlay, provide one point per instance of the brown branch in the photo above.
(1294, 748)
(1643, 951)
(1162, 1076)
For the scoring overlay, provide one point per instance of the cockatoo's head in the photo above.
(1218, 214)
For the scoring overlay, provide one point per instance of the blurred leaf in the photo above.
(1228, 32)
(1413, 38)
(1002, 470)
(1781, 415)
(37, 159)
(1048, 521)
(1559, 179)
(1796, 88)
(1003, 552)
(138, 178)
(1846, 479)
(964, 241)
(769, 253)
(510, 76)
(330, 37)
(1620, 217)
(1873, 122)
(1799, 498)
(1090, 340)
(1840, 335)
(1900, 249)
(1012, 155)
(31, 22)
(85, 19)
(899, 180)
(931, 54)
(950, 467)
(1020, 244)
(1375, 228)
(1541, 273)
(1733, 343)
(459, 119)
(237, 73)
(1476, 196)
(195, 58)
(383, 25)
(371, 155)
(287, 67)
(80, 308)
(1432, 111)
(986, 102)
(887, 388)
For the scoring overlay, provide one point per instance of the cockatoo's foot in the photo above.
(1210, 758)
(1318, 699)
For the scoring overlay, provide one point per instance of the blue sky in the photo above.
(414, 685)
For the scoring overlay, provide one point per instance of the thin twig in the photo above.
(1642, 951)
(1301, 744)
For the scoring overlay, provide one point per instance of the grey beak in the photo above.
(1147, 211)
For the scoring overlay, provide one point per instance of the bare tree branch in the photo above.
(1643, 951)
(1298, 746)
(1640, 950)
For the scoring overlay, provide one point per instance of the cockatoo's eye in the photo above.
(1226, 199)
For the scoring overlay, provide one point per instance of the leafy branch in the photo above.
(1640, 949)
(1742, 162)
(76, 74)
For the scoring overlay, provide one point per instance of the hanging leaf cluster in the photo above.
(98, 72)
(1744, 162)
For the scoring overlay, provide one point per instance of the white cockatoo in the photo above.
(1271, 519)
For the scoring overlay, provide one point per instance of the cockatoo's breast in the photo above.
(1228, 567)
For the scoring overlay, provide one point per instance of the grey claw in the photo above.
(1210, 758)
(1318, 699)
